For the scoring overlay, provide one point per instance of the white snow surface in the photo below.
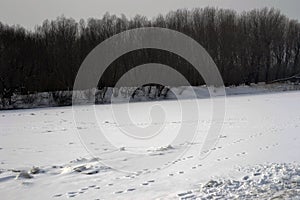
(256, 157)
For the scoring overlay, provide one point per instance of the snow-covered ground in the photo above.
(257, 155)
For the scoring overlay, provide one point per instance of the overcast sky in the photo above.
(29, 13)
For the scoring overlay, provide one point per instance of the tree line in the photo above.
(250, 47)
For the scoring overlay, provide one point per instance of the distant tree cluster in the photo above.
(250, 47)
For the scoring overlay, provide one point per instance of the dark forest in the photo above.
(250, 47)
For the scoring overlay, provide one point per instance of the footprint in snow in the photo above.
(72, 194)
(196, 167)
(57, 195)
(184, 193)
(131, 189)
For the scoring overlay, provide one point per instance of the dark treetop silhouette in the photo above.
(260, 45)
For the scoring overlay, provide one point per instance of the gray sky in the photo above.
(28, 13)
